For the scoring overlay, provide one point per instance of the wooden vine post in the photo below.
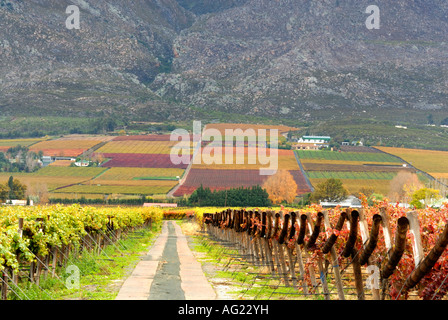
(428, 262)
(266, 236)
(349, 251)
(311, 243)
(289, 249)
(414, 229)
(333, 254)
(369, 244)
(297, 244)
(397, 252)
(279, 248)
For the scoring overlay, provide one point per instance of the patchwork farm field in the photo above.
(64, 147)
(149, 137)
(120, 173)
(55, 171)
(225, 179)
(243, 165)
(363, 168)
(354, 186)
(54, 177)
(246, 161)
(140, 160)
(141, 164)
(5, 144)
(141, 147)
(344, 175)
(433, 162)
(377, 157)
(149, 188)
(132, 165)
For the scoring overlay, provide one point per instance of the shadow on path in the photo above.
(167, 283)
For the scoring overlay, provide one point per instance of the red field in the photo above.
(225, 179)
(140, 160)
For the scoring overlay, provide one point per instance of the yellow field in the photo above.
(425, 160)
(284, 162)
(136, 146)
(16, 142)
(53, 177)
(150, 187)
(85, 137)
(355, 185)
(75, 196)
(438, 175)
(64, 147)
(61, 163)
(130, 183)
(48, 181)
(65, 144)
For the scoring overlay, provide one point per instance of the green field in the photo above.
(161, 188)
(351, 175)
(70, 171)
(346, 156)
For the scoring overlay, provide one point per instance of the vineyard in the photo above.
(377, 157)
(219, 180)
(132, 165)
(64, 147)
(431, 161)
(36, 242)
(137, 164)
(121, 173)
(5, 144)
(140, 160)
(212, 171)
(139, 146)
(357, 167)
(378, 252)
(130, 187)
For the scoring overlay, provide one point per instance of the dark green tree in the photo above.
(17, 190)
(329, 190)
(235, 197)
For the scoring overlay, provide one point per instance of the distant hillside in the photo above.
(102, 68)
(159, 60)
(314, 59)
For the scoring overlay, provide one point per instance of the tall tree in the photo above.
(17, 190)
(4, 191)
(403, 185)
(281, 187)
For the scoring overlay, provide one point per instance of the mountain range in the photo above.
(167, 60)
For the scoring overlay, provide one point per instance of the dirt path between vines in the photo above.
(169, 271)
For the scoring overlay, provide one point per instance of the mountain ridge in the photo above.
(163, 59)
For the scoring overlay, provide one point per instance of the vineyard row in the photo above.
(379, 252)
(35, 242)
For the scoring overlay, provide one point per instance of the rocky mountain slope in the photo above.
(104, 66)
(154, 59)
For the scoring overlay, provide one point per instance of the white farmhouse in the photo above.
(312, 143)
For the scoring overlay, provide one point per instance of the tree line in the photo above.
(20, 159)
(254, 196)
